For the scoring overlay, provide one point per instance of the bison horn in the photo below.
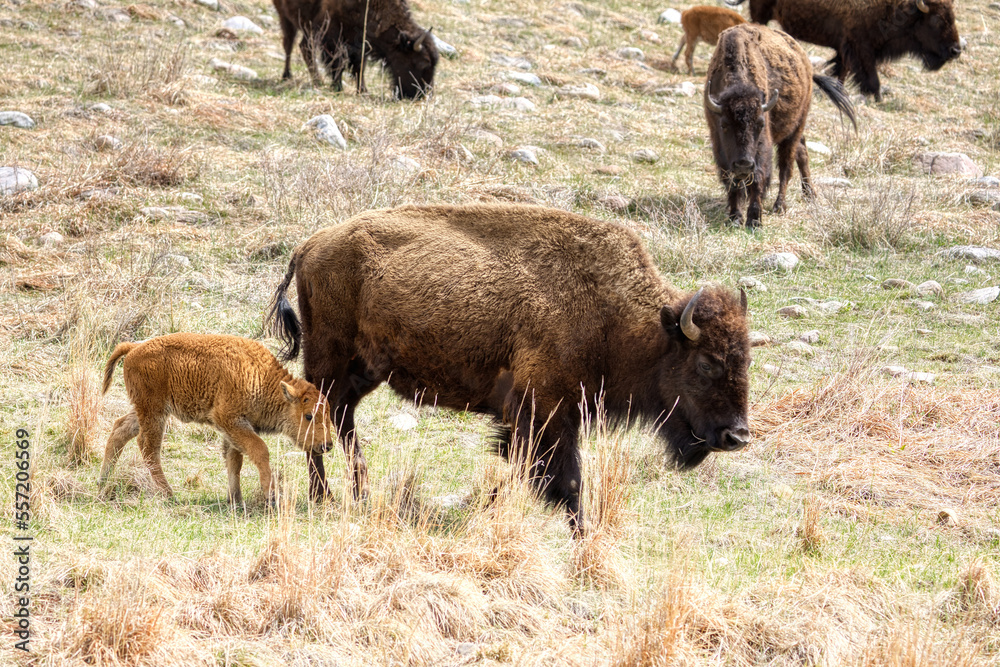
(743, 300)
(771, 102)
(710, 102)
(418, 45)
(922, 6)
(689, 328)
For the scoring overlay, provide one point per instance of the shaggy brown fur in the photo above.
(296, 15)
(868, 32)
(231, 383)
(704, 23)
(525, 313)
(758, 94)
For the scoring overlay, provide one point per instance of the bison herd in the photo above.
(534, 316)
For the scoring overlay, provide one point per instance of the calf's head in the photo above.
(704, 376)
(932, 26)
(412, 63)
(307, 417)
(739, 121)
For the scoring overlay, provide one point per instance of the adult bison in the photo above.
(524, 313)
(868, 32)
(339, 28)
(757, 95)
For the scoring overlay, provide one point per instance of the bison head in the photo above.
(706, 379)
(307, 417)
(412, 64)
(932, 27)
(739, 125)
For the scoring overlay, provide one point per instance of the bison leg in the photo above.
(864, 70)
(287, 41)
(802, 160)
(248, 443)
(125, 429)
(788, 154)
(737, 194)
(677, 53)
(307, 46)
(234, 464)
(689, 54)
(762, 11)
(150, 442)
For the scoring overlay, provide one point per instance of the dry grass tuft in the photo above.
(141, 163)
(915, 645)
(810, 532)
(128, 69)
(654, 636)
(84, 400)
(881, 218)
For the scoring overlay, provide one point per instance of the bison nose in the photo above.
(743, 165)
(956, 50)
(733, 439)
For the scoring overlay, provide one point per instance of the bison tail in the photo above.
(835, 91)
(109, 370)
(282, 318)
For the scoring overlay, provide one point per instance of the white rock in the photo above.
(833, 182)
(242, 24)
(897, 283)
(630, 53)
(587, 91)
(483, 136)
(587, 142)
(687, 89)
(52, 239)
(403, 421)
(106, 142)
(929, 287)
(178, 261)
(520, 103)
(405, 165)
(800, 348)
(922, 378)
(979, 296)
(156, 212)
(236, 71)
(817, 147)
(16, 179)
(947, 163)
(792, 312)
(527, 78)
(759, 339)
(971, 270)
(831, 306)
(177, 21)
(512, 61)
(614, 202)
(507, 88)
(986, 182)
(100, 107)
(650, 36)
(524, 154)
(924, 306)
(771, 369)
(670, 16)
(751, 284)
(895, 371)
(786, 261)
(811, 337)
(974, 253)
(326, 130)
(646, 155)
(486, 101)
(17, 119)
(211, 4)
(444, 48)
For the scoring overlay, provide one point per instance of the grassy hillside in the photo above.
(860, 527)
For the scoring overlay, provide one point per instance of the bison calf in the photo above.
(528, 314)
(231, 383)
(703, 23)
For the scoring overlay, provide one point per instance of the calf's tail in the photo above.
(835, 91)
(109, 370)
(282, 318)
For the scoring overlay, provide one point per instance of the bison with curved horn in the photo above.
(529, 314)
(757, 95)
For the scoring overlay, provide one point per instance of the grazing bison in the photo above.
(868, 32)
(703, 23)
(757, 95)
(524, 313)
(295, 16)
(232, 383)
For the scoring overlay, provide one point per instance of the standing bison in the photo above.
(704, 23)
(868, 32)
(757, 95)
(345, 39)
(524, 313)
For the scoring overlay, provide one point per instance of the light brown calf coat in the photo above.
(703, 23)
(230, 383)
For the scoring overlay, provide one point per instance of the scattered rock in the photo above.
(940, 164)
(100, 107)
(510, 22)
(979, 296)
(783, 491)
(587, 91)
(466, 649)
(985, 182)
(786, 261)
(97, 193)
(211, 4)
(645, 155)
(650, 36)
(970, 252)
(614, 202)
(242, 24)
(115, 15)
(458, 153)
(971, 270)
(840, 183)
(16, 179)
(17, 119)
(236, 71)
(520, 103)
(800, 348)
(771, 369)
(929, 287)
(760, 339)
(155, 212)
(817, 147)
(507, 88)
(792, 312)
(452, 501)
(897, 283)
(326, 130)
(510, 61)
(403, 421)
(832, 306)
(524, 154)
(52, 239)
(924, 332)
(924, 306)
(811, 336)
(590, 143)
(921, 378)
(947, 517)
(751, 284)
(106, 142)
(895, 371)
(670, 16)
(179, 262)
(527, 78)
(405, 165)
(483, 136)
(444, 48)
(687, 89)
(177, 21)
(610, 170)
(983, 198)
(191, 198)
(630, 53)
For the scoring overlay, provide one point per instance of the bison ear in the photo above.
(405, 41)
(289, 392)
(669, 322)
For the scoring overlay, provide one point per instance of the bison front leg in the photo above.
(736, 194)
(788, 154)
(287, 41)
(234, 464)
(864, 70)
(249, 444)
(307, 47)
(802, 159)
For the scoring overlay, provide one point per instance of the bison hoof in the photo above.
(779, 208)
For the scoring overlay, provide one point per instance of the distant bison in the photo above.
(758, 94)
(703, 23)
(231, 383)
(528, 314)
(868, 32)
(295, 16)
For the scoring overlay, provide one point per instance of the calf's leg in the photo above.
(249, 443)
(234, 464)
(150, 441)
(125, 429)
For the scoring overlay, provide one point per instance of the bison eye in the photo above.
(309, 417)
(705, 367)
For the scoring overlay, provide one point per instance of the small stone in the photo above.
(786, 261)
(510, 61)
(924, 306)
(236, 71)
(587, 91)
(687, 89)
(839, 183)
(645, 155)
(485, 101)
(242, 24)
(970, 252)
(155, 212)
(52, 239)
(971, 270)
(100, 107)
(783, 491)
(792, 312)
(897, 283)
(17, 119)
(614, 202)
(895, 371)
(452, 501)
(482, 136)
(16, 179)
(979, 296)
(178, 261)
(326, 130)
(817, 147)
(811, 336)
(983, 198)
(929, 287)
(444, 48)
(924, 332)
(650, 36)
(458, 153)
(177, 21)
(510, 22)
(466, 649)
(211, 4)
(760, 339)
(521, 104)
(947, 517)
(751, 284)
(771, 369)
(670, 16)
(507, 88)
(610, 170)
(831, 307)
(403, 421)
(191, 198)
(106, 142)
(985, 182)
(800, 348)
(405, 165)
(527, 78)
(921, 378)
(524, 154)
(590, 143)
(939, 164)
(630, 53)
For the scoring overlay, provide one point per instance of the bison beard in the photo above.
(524, 313)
